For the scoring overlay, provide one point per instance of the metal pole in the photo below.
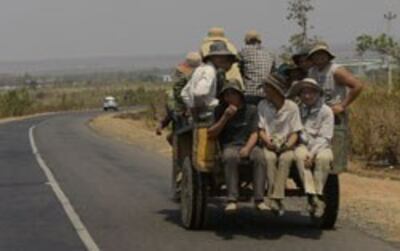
(389, 17)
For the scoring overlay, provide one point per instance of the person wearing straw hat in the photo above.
(256, 64)
(314, 154)
(279, 125)
(176, 107)
(201, 90)
(175, 113)
(217, 34)
(237, 131)
(341, 88)
(183, 73)
(300, 58)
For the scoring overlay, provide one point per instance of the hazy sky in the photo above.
(41, 29)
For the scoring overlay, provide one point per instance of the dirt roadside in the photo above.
(371, 204)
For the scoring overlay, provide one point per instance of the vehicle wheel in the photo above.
(105, 109)
(193, 197)
(331, 198)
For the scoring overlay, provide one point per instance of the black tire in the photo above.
(193, 197)
(331, 197)
(105, 109)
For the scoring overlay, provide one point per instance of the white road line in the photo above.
(80, 228)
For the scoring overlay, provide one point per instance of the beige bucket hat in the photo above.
(276, 82)
(193, 59)
(216, 32)
(321, 47)
(298, 86)
(252, 35)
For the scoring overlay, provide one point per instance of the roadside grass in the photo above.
(27, 101)
(375, 126)
(374, 117)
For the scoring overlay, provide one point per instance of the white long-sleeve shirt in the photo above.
(319, 125)
(201, 90)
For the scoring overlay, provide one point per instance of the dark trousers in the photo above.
(231, 161)
(253, 100)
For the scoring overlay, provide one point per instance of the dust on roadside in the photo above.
(371, 204)
(125, 127)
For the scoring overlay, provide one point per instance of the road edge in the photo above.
(74, 218)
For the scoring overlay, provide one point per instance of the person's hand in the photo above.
(244, 152)
(159, 131)
(269, 144)
(230, 111)
(308, 162)
(338, 108)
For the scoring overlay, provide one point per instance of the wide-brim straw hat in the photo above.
(252, 35)
(220, 48)
(216, 32)
(321, 47)
(298, 86)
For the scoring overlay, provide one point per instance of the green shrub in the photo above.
(15, 103)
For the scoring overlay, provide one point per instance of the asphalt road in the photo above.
(121, 194)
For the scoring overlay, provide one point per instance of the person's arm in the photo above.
(291, 141)
(296, 126)
(164, 123)
(252, 140)
(185, 95)
(266, 139)
(273, 66)
(250, 144)
(203, 86)
(215, 130)
(177, 88)
(344, 77)
(262, 129)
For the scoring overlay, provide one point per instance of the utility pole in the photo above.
(389, 17)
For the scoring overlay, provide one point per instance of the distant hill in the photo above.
(88, 65)
(344, 52)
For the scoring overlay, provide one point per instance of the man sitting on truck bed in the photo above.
(279, 126)
(236, 128)
(314, 156)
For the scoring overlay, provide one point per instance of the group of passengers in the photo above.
(272, 116)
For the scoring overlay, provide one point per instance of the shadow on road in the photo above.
(249, 223)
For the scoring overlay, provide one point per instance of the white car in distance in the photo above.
(110, 103)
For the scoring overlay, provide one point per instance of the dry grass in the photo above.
(375, 125)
